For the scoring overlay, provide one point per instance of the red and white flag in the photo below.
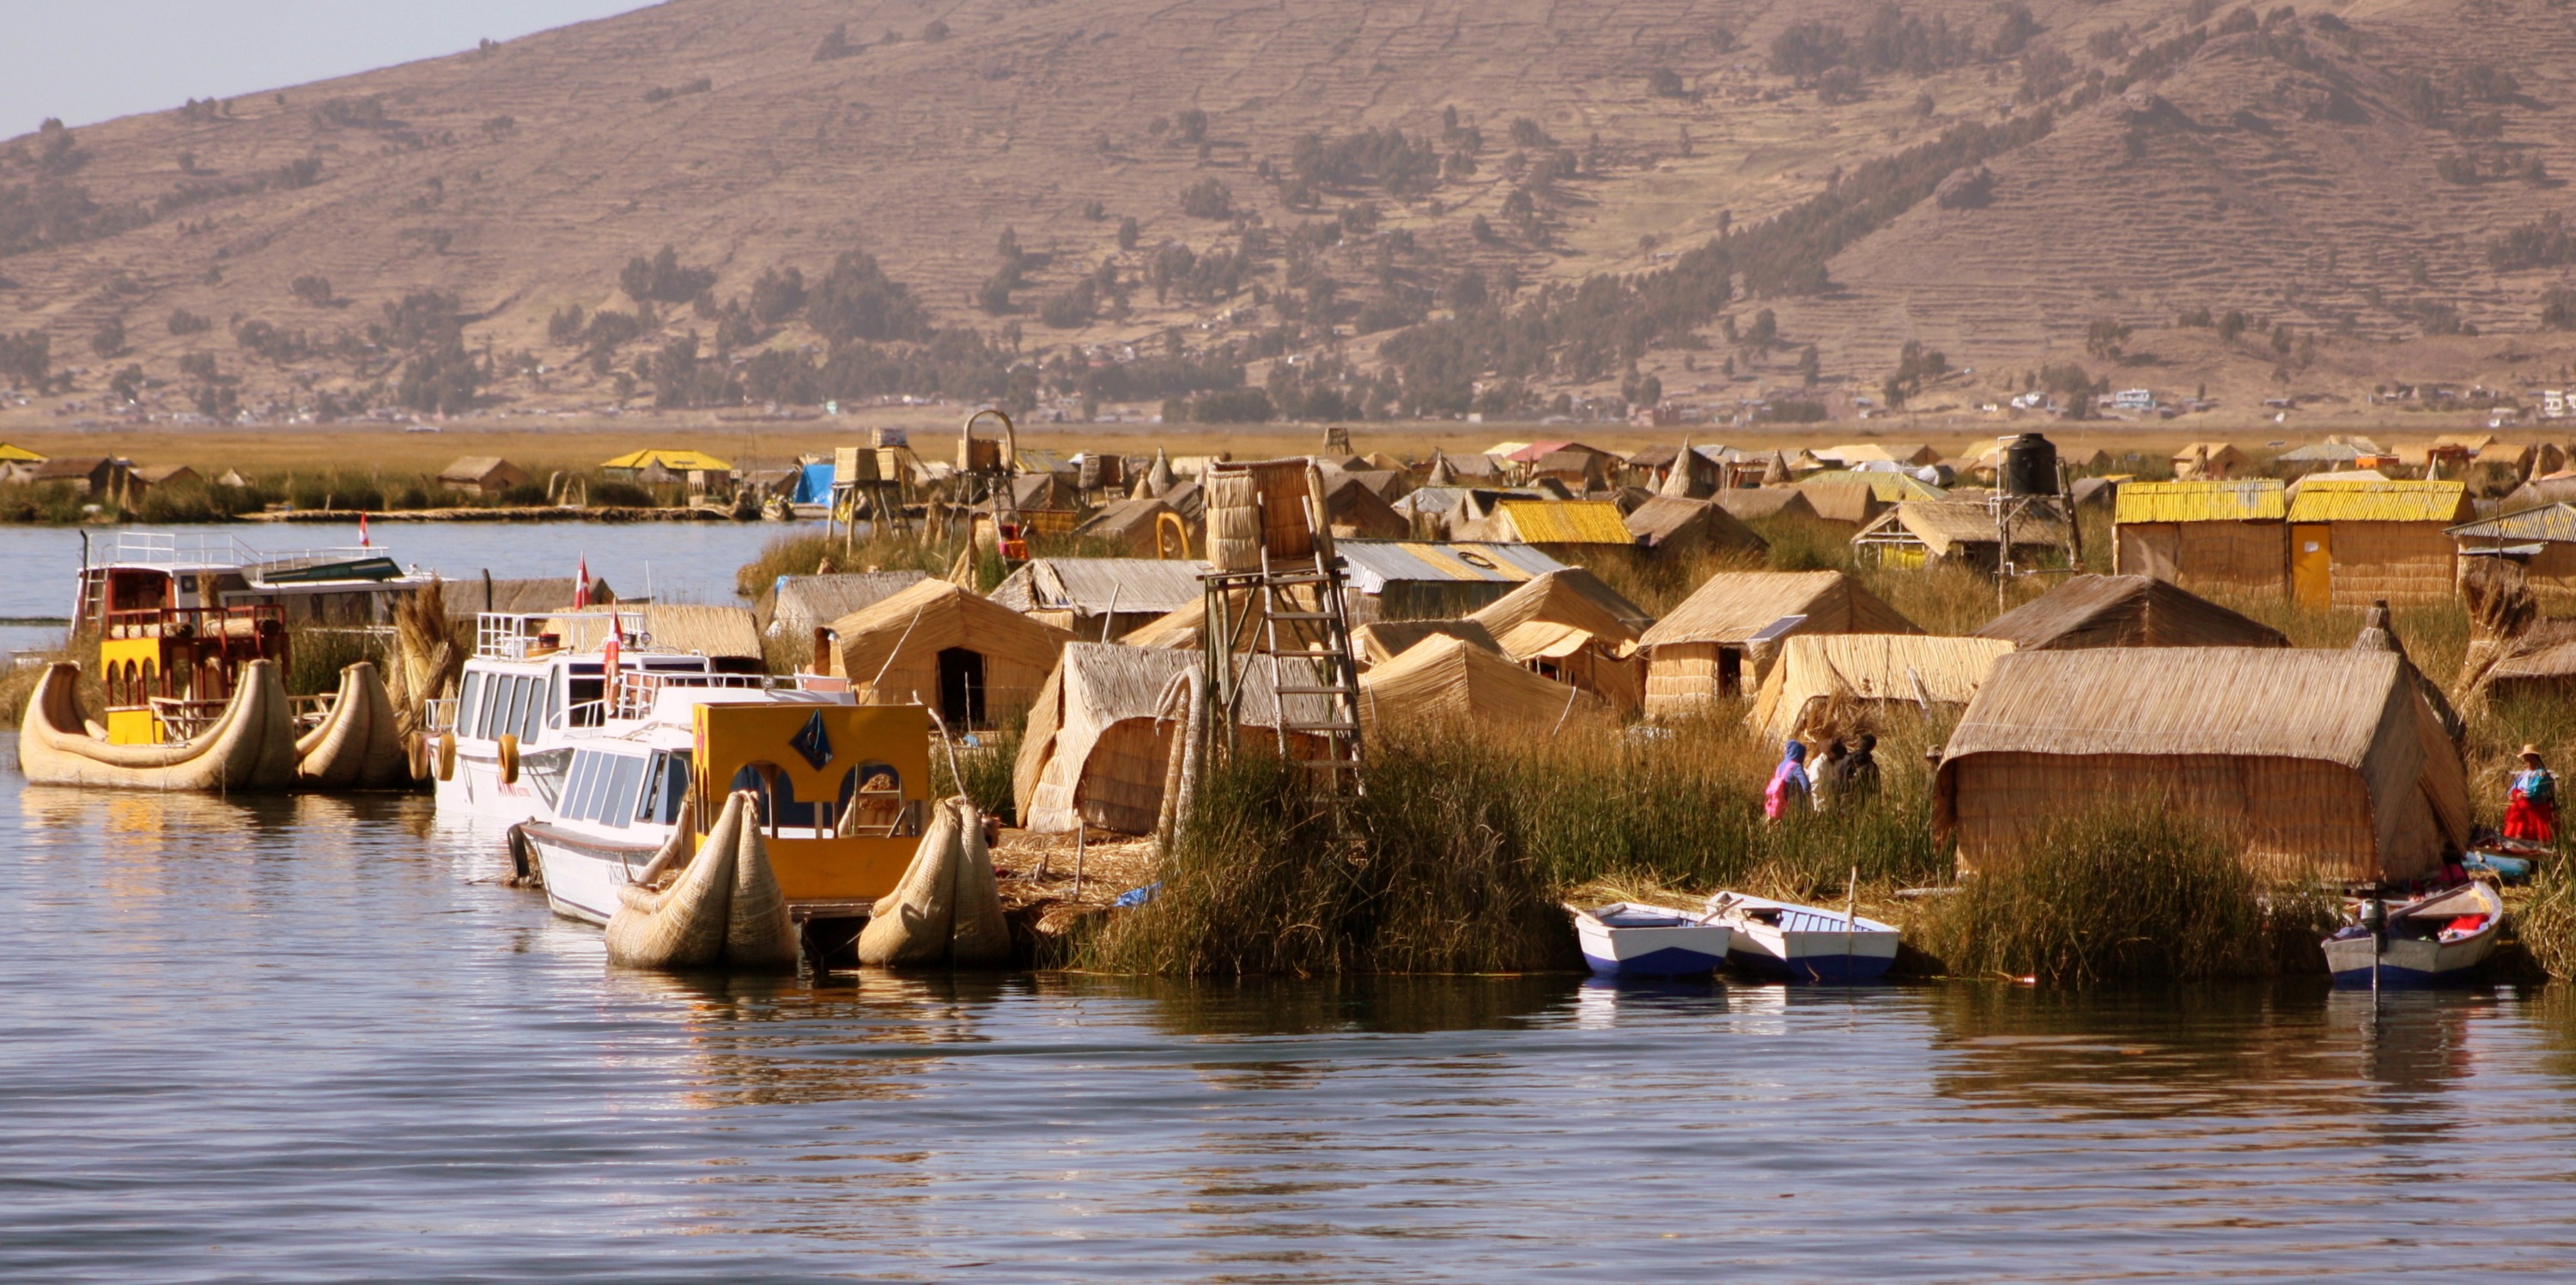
(362, 529)
(581, 584)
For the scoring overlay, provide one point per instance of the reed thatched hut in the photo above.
(1568, 626)
(2203, 534)
(1834, 685)
(1720, 641)
(1382, 641)
(1666, 525)
(1922, 533)
(967, 656)
(1441, 680)
(1134, 526)
(2541, 541)
(1750, 502)
(2126, 611)
(1849, 501)
(2353, 543)
(2316, 764)
(1098, 747)
(798, 605)
(1556, 524)
(1100, 599)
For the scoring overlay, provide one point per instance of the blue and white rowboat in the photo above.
(1787, 941)
(1624, 939)
(2435, 941)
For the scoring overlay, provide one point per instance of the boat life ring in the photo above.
(509, 759)
(447, 756)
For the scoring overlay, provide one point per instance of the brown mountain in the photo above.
(2006, 184)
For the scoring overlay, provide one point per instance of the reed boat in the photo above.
(1627, 939)
(2434, 940)
(1787, 941)
(840, 792)
(249, 745)
(500, 748)
(353, 741)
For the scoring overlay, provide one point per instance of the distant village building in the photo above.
(2210, 462)
(152, 475)
(482, 475)
(1722, 639)
(97, 477)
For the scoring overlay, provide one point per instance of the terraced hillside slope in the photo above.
(1321, 210)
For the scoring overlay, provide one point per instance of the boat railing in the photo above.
(184, 720)
(635, 692)
(196, 622)
(507, 635)
(174, 550)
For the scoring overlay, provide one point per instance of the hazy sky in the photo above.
(93, 60)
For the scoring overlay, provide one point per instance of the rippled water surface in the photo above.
(310, 1039)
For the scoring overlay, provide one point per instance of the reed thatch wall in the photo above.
(2405, 564)
(2230, 556)
(890, 651)
(2551, 576)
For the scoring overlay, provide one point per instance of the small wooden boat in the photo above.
(1784, 940)
(2431, 941)
(1624, 939)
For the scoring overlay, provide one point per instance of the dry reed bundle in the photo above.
(428, 657)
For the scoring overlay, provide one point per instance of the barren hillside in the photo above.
(1355, 208)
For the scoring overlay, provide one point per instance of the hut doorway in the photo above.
(2311, 561)
(961, 687)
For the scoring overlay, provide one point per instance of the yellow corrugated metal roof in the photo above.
(1568, 521)
(675, 461)
(2251, 500)
(18, 455)
(2383, 501)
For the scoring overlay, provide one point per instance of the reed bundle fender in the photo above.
(724, 911)
(251, 746)
(947, 909)
(359, 743)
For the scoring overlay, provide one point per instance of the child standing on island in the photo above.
(2531, 812)
(1789, 785)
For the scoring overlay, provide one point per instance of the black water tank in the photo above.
(2030, 466)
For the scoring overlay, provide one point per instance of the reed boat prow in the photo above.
(358, 742)
(250, 746)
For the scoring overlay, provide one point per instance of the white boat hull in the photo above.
(1683, 949)
(582, 876)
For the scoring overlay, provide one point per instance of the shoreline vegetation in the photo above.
(1459, 856)
(1465, 845)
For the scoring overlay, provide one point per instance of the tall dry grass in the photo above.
(2111, 896)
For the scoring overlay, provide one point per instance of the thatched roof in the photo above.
(1574, 597)
(1443, 678)
(1667, 523)
(2126, 611)
(2547, 524)
(2253, 499)
(1732, 606)
(2225, 702)
(1817, 672)
(801, 603)
(1359, 511)
(2542, 661)
(1381, 641)
(935, 615)
(1091, 586)
(1842, 501)
(1765, 502)
(724, 633)
(2324, 500)
(1129, 523)
(1557, 522)
(1095, 687)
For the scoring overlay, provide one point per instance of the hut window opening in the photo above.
(1730, 671)
(961, 687)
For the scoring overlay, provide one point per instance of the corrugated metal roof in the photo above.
(2554, 523)
(2250, 500)
(1568, 521)
(1376, 563)
(2320, 500)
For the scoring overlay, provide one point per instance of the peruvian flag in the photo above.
(362, 529)
(581, 584)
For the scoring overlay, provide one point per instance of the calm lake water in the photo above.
(673, 561)
(310, 1039)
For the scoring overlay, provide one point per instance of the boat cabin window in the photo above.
(485, 724)
(588, 690)
(577, 784)
(465, 710)
(666, 787)
(541, 699)
(626, 777)
(514, 700)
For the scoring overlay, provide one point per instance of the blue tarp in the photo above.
(813, 485)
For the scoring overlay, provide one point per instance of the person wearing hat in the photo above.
(2532, 810)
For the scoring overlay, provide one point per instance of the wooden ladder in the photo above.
(1312, 629)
